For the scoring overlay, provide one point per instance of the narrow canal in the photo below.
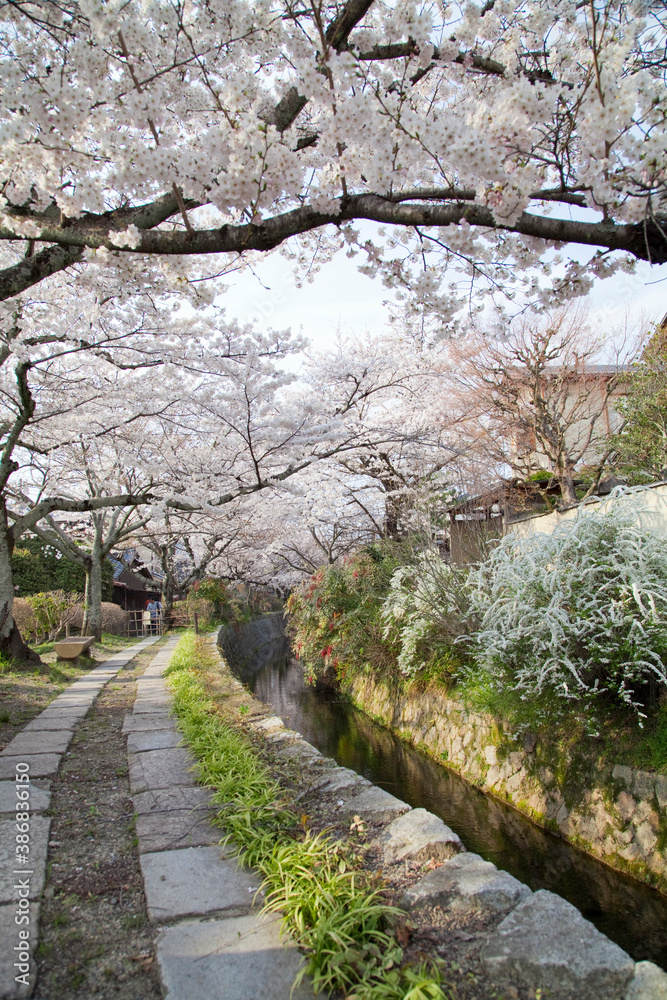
(627, 911)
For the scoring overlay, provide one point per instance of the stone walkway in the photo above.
(212, 941)
(27, 765)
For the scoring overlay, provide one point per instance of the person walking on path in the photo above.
(154, 607)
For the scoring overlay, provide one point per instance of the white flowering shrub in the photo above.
(578, 613)
(426, 613)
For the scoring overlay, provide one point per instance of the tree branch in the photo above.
(644, 240)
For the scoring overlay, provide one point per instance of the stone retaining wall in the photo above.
(617, 813)
(253, 644)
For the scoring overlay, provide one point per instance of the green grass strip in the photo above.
(335, 913)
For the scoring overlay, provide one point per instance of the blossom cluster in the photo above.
(108, 106)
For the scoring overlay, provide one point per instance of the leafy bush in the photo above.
(336, 616)
(38, 567)
(578, 614)
(210, 589)
(426, 614)
(114, 618)
(53, 611)
(204, 609)
(24, 616)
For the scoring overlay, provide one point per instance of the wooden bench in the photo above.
(72, 649)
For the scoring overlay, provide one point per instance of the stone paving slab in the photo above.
(39, 839)
(177, 828)
(78, 706)
(161, 769)
(87, 684)
(49, 730)
(160, 800)
(76, 700)
(9, 936)
(147, 723)
(545, 943)
(236, 959)
(159, 739)
(40, 798)
(157, 693)
(150, 682)
(196, 880)
(71, 712)
(41, 765)
(152, 705)
(49, 722)
(467, 882)
(38, 742)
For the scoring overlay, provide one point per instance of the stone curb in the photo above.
(36, 753)
(542, 942)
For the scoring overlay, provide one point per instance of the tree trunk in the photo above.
(168, 584)
(167, 599)
(391, 519)
(11, 642)
(92, 615)
(567, 490)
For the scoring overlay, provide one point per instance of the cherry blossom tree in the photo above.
(311, 522)
(76, 369)
(538, 399)
(92, 469)
(484, 137)
(411, 432)
(189, 546)
(122, 400)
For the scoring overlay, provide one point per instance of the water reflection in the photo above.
(630, 913)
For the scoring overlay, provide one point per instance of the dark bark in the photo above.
(167, 599)
(644, 240)
(14, 648)
(11, 642)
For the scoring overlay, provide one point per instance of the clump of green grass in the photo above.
(336, 913)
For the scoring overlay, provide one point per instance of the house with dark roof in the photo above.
(133, 582)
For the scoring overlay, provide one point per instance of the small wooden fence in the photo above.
(144, 623)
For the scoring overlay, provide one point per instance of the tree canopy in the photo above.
(483, 136)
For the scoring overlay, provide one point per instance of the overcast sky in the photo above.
(340, 297)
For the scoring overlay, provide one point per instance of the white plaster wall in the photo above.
(654, 499)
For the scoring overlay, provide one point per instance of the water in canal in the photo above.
(628, 912)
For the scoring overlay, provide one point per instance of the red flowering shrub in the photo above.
(334, 616)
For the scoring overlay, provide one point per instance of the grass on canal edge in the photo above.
(335, 911)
